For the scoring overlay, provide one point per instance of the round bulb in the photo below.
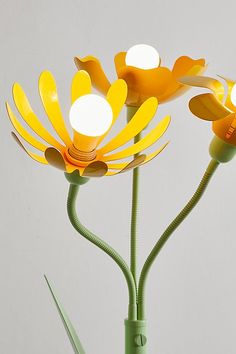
(233, 95)
(142, 56)
(91, 115)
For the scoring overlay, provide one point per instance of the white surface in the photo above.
(192, 287)
(91, 115)
(142, 56)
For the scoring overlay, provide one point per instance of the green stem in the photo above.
(134, 211)
(168, 232)
(134, 214)
(71, 209)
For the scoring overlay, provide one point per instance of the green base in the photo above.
(221, 151)
(135, 337)
(75, 178)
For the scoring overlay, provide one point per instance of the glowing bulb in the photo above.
(142, 56)
(233, 95)
(91, 115)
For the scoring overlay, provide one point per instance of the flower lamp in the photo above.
(141, 68)
(218, 108)
(81, 153)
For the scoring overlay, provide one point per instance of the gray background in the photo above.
(191, 289)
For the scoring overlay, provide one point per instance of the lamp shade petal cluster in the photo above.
(217, 105)
(160, 82)
(91, 117)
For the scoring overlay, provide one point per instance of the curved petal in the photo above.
(123, 165)
(94, 68)
(23, 133)
(95, 169)
(204, 81)
(126, 166)
(30, 117)
(143, 84)
(206, 106)
(81, 85)
(184, 64)
(155, 153)
(34, 156)
(55, 159)
(135, 162)
(116, 97)
(176, 89)
(142, 144)
(120, 61)
(49, 98)
(230, 85)
(138, 122)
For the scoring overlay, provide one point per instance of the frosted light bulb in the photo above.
(142, 56)
(233, 95)
(91, 115)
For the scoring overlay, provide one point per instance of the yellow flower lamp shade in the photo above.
(218, 107)
(146, 78)
(91, 117)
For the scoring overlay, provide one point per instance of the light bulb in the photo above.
(91, 115)
(142, 56)
(233, 95)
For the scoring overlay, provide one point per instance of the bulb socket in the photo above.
(79, 155)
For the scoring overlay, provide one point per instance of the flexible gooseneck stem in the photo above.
(134, 211)
(71, 209)
(134, 215)
(168, 232)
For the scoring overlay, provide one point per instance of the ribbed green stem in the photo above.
(168, 232)
(134, 214)
(71, 209)
(134, 211)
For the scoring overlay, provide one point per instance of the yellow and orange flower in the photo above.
(215, 106)
(64, 154)
(159, 82)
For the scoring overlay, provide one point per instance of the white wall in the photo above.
(192, 286)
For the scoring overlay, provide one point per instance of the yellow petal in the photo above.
(208, 107)
(138, 122)
(116, 96)
(228, 101)
(49, 97)
(155, 153)
(94, 68)
(95, 169)
(144, 143)
(35, 157)
(206, 82)
(135, 162)
(21, 130)
(127, 165)
(55, 159)
(120, 61)
(185, 64)
(81, 85)
(30, 118)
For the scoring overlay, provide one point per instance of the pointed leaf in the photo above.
(74, 339)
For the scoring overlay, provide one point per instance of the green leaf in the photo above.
(73, 337)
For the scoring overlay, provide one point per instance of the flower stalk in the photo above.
(169, 231)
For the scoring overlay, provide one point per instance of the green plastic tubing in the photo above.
(134, 214)
(134, 211)
(71, 209)
(168, 232)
